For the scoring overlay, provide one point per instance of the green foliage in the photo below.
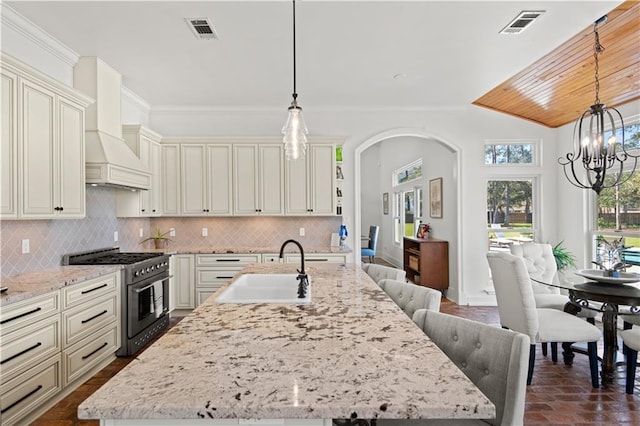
(158, 235)
(564, 258)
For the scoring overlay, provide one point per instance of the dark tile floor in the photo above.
(559, 394)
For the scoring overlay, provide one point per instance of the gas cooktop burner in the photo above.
(110, 256)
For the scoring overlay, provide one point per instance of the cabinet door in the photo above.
(219, 179)
(144, 153)
(38, 152)
(183, 281)
(245, 179)
(194, 178)
(71, 187)
(322, 170)
(296, 196)
(271, 177)
(154, 194)
(170, 178)
(8, 148)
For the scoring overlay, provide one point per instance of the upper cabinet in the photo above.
(170, 179)
(310, 182)
(206, 179)
(145, 143)
(46, 124)
(257, 179)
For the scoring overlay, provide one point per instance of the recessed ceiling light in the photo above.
(522, 21)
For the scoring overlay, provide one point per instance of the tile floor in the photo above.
(559, 395)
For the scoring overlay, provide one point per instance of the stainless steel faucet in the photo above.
(302, 275)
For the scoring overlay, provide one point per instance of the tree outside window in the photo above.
(509, 212)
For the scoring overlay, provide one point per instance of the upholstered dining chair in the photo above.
(381, 272)
(518, 312)
(410, 297)
(370, 250)
(495, 360)
(631, 341)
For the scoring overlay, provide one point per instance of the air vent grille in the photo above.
(202, 28)
(522, 21)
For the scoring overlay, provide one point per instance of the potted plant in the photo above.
(564, 258)
(159, 238)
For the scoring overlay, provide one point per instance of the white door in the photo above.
(296, 196)
(71, 195)
(170, 178)
(8, 148)
(245, 179)
(219, 179)
(271, 177)
(154, 194)
(194, 178)
(322, 188)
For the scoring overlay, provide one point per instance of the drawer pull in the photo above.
(21, 353)
(24, 314)
(97, 350)
(94, 317)
(227, 260)
(316, 260)
(222, 277)
(20, 400)
(94, 289)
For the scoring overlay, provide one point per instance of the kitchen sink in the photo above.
(265, 288)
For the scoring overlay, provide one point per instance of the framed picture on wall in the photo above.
(385, 203)
(435, 198)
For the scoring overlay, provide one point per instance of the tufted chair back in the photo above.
(410, 297)
(494, 359)
(539, 260)
(516, 304)
(379, 272)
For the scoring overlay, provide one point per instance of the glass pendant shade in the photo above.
(295, 134)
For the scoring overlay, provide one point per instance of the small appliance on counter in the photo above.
(145, 292)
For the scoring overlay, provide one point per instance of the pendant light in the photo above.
(599, 156)
(294, 130)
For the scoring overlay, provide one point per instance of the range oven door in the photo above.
(147, 301)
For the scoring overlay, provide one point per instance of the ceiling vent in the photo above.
(202, 28)
(522, 21)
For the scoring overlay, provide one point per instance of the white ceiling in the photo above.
(449, 52)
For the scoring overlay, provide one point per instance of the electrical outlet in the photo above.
(205, 232)
(25, 246)
(302, 232)
(172, 232)
(115, 236)
(141, 232)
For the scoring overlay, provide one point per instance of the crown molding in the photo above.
(27, 29)
(135, 98)
(187, 109)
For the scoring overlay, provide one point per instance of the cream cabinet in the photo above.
(170, 179)
(215, 270)
(47, 181)
(146, 144)
(51, 343)
(258, 179)
(182, 282)
(206, 179)
(310, 182)
(311, 258)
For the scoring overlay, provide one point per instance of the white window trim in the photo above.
(535, 201)
(396, 172)
(535, 159)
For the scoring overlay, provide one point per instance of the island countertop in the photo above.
(351, 353)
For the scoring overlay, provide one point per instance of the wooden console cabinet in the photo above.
(426, 262)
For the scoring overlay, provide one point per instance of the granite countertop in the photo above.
(172, 249)
(352, 352)
(25, 286)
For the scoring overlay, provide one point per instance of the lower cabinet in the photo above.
(182, 282)
(311, 258)
(215, 270)
(50, 343)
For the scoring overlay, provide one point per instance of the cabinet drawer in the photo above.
(83, 320)
(203, 294)
(214, 277)
(316, 258)
(89, 290)
(23, 394)
(225, 260)
(27, 347)
(84, 355)
(271, 258)
(20, 314)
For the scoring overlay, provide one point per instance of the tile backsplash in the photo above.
(49, 240)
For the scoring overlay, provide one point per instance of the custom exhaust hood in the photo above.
(109, 161)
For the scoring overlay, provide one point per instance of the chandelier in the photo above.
(294, 130)
(600, 155)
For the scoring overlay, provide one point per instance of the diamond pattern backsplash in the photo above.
(49, 240)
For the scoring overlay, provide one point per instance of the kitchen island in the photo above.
(351, 353)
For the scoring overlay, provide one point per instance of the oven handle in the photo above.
(140, 290)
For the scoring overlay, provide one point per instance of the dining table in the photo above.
(612, 299)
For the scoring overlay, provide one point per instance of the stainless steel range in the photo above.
(145, 292)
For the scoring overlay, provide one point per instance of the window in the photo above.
(510, 212)
(407, 213)
(509, 153)
(411, 171)
(618, 209)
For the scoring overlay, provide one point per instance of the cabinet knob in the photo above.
(143, 210)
